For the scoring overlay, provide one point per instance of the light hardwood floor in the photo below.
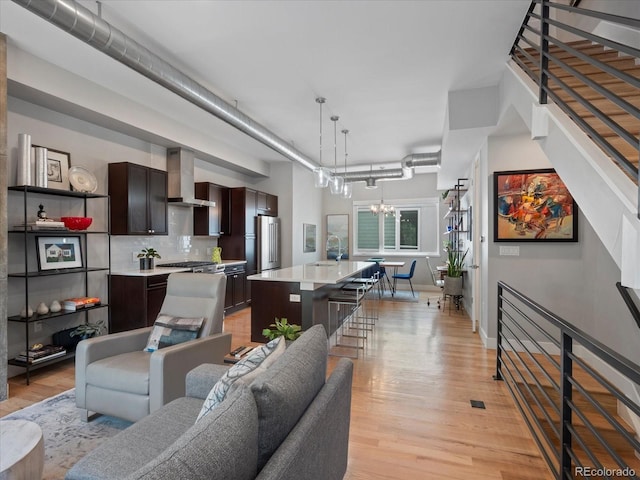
(411, 413)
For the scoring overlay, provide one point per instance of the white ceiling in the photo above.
(385, 67)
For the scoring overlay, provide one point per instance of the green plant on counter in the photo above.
(149, 253)
(88, 330)
(282, 328)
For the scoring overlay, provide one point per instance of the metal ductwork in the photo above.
(83, 24)
(405, 172)
(431, 159)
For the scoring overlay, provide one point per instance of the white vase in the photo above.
(26, 312)
(55, 306)
(24, 172)
(42, 309)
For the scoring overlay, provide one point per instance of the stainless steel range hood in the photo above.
(181, 181)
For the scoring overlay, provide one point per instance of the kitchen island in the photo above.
(297, 293)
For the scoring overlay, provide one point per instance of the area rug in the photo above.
(401, 296)
(66, 437)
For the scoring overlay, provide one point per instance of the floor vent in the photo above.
(477, 404)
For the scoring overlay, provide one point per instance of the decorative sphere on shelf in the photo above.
(26, 312)
(55, 306)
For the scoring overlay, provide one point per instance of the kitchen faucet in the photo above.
(331, 237)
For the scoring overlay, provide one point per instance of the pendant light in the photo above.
(336, 183)
(347, 188)
(321, 175)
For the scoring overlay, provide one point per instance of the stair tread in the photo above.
(628, 92)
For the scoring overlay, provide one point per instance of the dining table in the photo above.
(395, 266)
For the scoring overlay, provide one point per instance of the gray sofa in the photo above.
(289, 423)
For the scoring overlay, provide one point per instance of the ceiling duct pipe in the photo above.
(405, 172)
(362, 176)
(431, 159)
(80, 22)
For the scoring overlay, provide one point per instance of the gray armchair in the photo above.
(116, 377)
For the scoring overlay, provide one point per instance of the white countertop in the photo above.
(136, 272)
(322, 272)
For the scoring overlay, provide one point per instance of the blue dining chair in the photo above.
(405, 276)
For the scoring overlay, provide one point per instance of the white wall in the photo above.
(306, 207)
(574, 280)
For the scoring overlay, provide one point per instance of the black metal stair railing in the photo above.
(559, 378)
(541, 48)
(628, 300)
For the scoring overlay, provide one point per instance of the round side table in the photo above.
(21, 450)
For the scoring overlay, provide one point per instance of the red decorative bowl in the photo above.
(76, 223)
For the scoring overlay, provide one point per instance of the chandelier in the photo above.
(381, 208)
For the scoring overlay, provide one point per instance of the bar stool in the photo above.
(371, 301)
(352, 301)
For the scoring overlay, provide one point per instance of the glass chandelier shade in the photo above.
(337, 182)
(321, 175)
(347, 188)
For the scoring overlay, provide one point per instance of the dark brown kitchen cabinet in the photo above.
(242, 211)
(243, 205)
(139, 199)
(209, 220)
(266, 204)
(136, 301)
(236, 295)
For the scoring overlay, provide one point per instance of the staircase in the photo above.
(580, 96)
(560, 379)
(579, 99)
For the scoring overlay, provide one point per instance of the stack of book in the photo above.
(42, 225)
(73, 304)
(47, 352)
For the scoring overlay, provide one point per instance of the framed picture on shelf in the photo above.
(58, 164)
(337, 236)
(533, 206)
(308, 237)
(58, 252)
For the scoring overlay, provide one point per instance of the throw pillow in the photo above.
(168, 330)
(243, 372)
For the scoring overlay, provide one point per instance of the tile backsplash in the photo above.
(179, 245)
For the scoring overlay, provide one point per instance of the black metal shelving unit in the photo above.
(456, 218)
(27, 276)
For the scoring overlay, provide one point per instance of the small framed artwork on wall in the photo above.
(337, 236)
(308, 237)
(533, 206)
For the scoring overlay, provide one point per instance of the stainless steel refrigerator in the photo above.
(268, 240)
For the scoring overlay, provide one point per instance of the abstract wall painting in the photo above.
(533, 206)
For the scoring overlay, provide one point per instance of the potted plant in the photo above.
(70, 337)
(455, 265)
(88, 330)
(146, 257)
(282, 328)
